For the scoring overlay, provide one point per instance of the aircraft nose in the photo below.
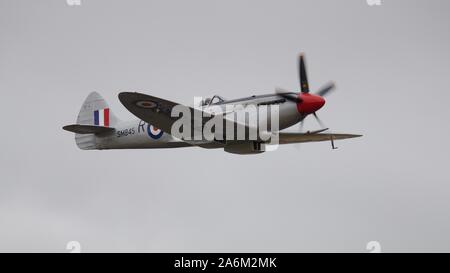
(309, 103)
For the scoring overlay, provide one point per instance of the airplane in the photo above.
(97, 128)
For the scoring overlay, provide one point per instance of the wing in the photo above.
(157, 112)
(288, 138)
(153, 110)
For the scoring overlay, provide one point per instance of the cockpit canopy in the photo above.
(214, 100)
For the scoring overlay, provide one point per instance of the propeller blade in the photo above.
(326, 89)
(288, 95)
(300, 130)
(302, 74)
(319, 121)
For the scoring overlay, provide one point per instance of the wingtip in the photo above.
(129, 94)
(123, 94)
(126, 96)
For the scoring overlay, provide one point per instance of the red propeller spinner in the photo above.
(307, 103)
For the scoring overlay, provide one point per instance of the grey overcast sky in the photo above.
(390, 63)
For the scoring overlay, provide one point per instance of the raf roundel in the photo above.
(146, 104)
(154, 132)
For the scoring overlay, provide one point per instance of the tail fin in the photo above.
(95, 117)
(95, 111)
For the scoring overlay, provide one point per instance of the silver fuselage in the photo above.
(137, 134)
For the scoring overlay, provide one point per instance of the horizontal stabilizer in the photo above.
(87, 129)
